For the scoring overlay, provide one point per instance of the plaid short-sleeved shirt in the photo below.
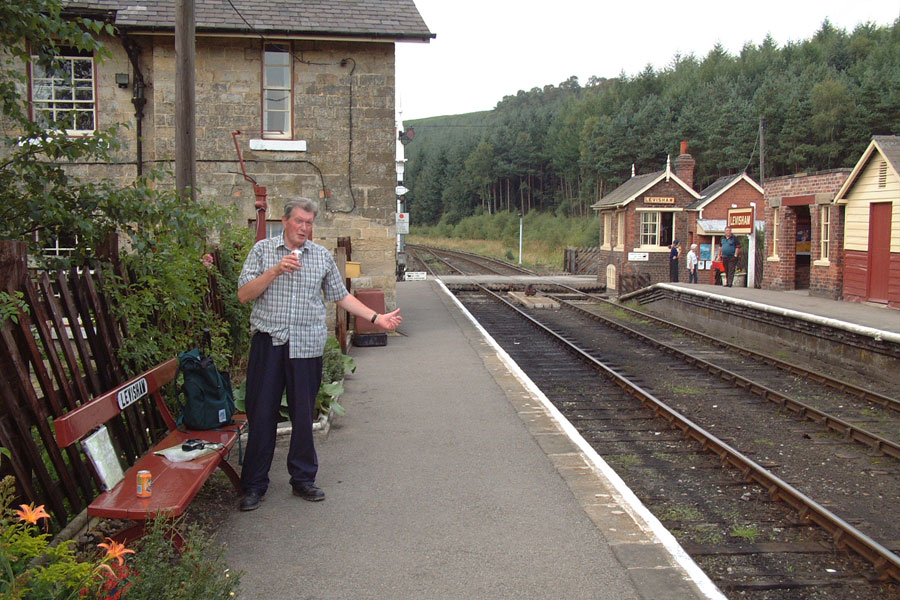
(292, 309)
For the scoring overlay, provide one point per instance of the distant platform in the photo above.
(580, 282)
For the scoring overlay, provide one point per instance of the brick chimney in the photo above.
(684, 165)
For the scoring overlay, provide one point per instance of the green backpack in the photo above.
(208, 398)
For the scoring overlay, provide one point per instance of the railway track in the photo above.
(652, 424)
(464, 263)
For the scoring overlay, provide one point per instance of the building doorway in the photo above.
(879, 252)
(803, 247)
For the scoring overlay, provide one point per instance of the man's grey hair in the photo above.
(304, 204)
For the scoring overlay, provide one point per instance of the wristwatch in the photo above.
(375, 316)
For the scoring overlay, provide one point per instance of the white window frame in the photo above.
(620, 230)
(774, 256)
(649, 228)
(53, 247)
(607, 233)
(67, 96)
(274, 92)
(654, 237)
(824, 235)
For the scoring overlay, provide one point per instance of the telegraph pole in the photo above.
(185, 125)
(762, 151)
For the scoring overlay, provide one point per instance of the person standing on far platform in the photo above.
(287, 276)
(674, 253)
(692, 264)
(729, 250)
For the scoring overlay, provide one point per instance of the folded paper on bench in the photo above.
(98, 447)
(176, 454)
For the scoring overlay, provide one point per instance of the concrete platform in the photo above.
(875, 316)
(576, 281)
(451, 476)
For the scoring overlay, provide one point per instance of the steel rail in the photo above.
(885, 562)
(837, 384)
(849, 430)
(463, 254)
(431, 251)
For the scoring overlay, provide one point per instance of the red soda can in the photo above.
(144, 484)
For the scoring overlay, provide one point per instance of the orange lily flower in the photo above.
(30, 514)
(115, 550)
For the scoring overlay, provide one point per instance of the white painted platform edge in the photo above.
(876, 334)
(627, 499)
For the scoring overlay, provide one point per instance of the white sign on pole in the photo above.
(402, 222)
(416, 275)
(400, 190)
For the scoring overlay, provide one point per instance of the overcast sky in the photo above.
(488, 49)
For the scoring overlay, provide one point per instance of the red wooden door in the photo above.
(879, 251)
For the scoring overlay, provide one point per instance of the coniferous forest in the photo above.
(560, 148)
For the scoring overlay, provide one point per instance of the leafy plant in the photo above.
(745, 532)
(11, 305)
(197, 571)
(32, 568)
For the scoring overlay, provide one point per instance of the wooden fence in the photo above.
(60, 353)
(582, 261)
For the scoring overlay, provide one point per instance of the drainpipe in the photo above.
(137, 98)
(258, 190)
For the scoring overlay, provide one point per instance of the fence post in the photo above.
(13, 264)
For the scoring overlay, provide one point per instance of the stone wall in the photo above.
(343, 103)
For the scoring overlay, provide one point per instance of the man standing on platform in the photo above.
(729, 251)
(288, 275)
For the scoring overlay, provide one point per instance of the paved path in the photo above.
(448, 478)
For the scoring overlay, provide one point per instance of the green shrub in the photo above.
(30, 568)
(197, 572)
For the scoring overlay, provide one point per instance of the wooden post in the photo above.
(185, 127)
(13, 264)
(762, 152)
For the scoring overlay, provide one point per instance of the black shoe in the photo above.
(251, 501)
(309, 492)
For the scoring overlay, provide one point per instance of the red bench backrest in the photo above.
(77, 423)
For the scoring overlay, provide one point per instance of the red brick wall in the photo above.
(824, 281)
(741, 193)
(658, 264)
(827, 280)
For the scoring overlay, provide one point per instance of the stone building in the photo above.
(308, 84)
(804, 233)
(870, 203)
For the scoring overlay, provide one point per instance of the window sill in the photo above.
(822, 263)
(605, 247)
(660, 249)
(278, 145)
(775, 258)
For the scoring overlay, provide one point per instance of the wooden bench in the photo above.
(174, 483)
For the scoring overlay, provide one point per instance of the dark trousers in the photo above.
(269, 374)
(730, 264)
(692, 275)
(673, 270)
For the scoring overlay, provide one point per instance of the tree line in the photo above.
(560, 148)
